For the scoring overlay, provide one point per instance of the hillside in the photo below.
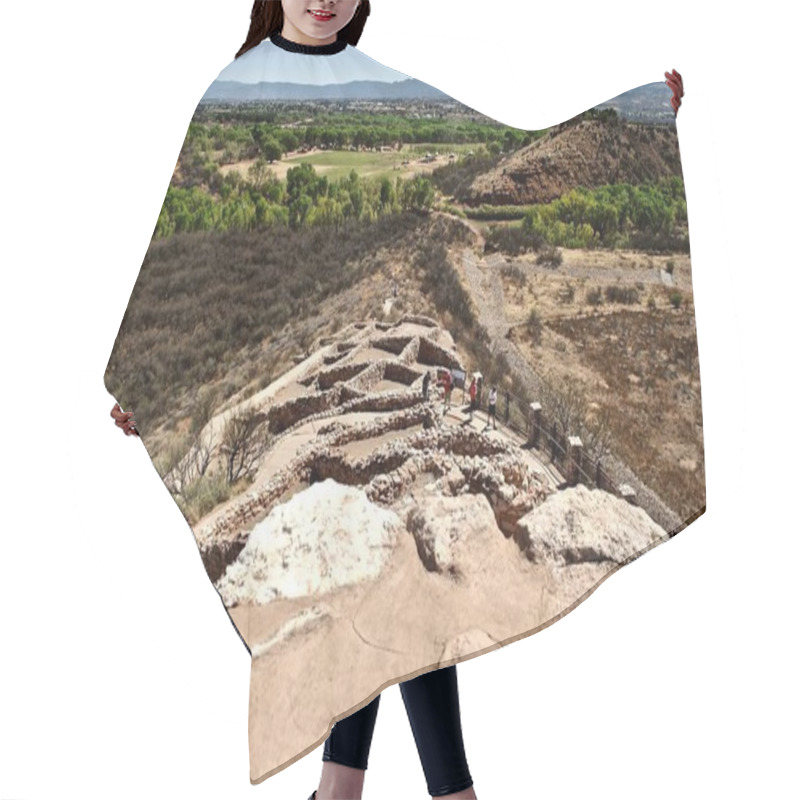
(590, 153)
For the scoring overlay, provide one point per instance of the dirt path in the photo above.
(487, 293)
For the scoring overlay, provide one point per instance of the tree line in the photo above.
(650, 215)
(305, 199)
(240, 139)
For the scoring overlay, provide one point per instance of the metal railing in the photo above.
(550, 441)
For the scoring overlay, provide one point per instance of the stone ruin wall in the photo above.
(464, 460)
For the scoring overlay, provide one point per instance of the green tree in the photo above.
(388, 196)
(272, 150)
(417, 194)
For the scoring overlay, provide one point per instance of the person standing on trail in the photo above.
(447, 382)
(426, 381)
(473, 395)
(491, 414)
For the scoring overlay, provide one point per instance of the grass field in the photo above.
(337, 164)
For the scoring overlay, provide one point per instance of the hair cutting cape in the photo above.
(418, 381)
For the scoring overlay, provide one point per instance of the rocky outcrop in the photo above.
(581, 525)
(324, 537)
(450, 533)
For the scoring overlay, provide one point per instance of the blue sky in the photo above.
(267, 62)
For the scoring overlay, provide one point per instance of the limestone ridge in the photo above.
(359, 458)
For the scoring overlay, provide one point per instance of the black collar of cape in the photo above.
(309, 49)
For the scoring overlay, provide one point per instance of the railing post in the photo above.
(535, 423)
(575, 458)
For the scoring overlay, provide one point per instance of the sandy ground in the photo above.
(389, 627)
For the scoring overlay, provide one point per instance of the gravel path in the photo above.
(487, 293)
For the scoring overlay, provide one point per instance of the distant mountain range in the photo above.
(235, 92)
(648, 103)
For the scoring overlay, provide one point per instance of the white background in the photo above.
(121, 675)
